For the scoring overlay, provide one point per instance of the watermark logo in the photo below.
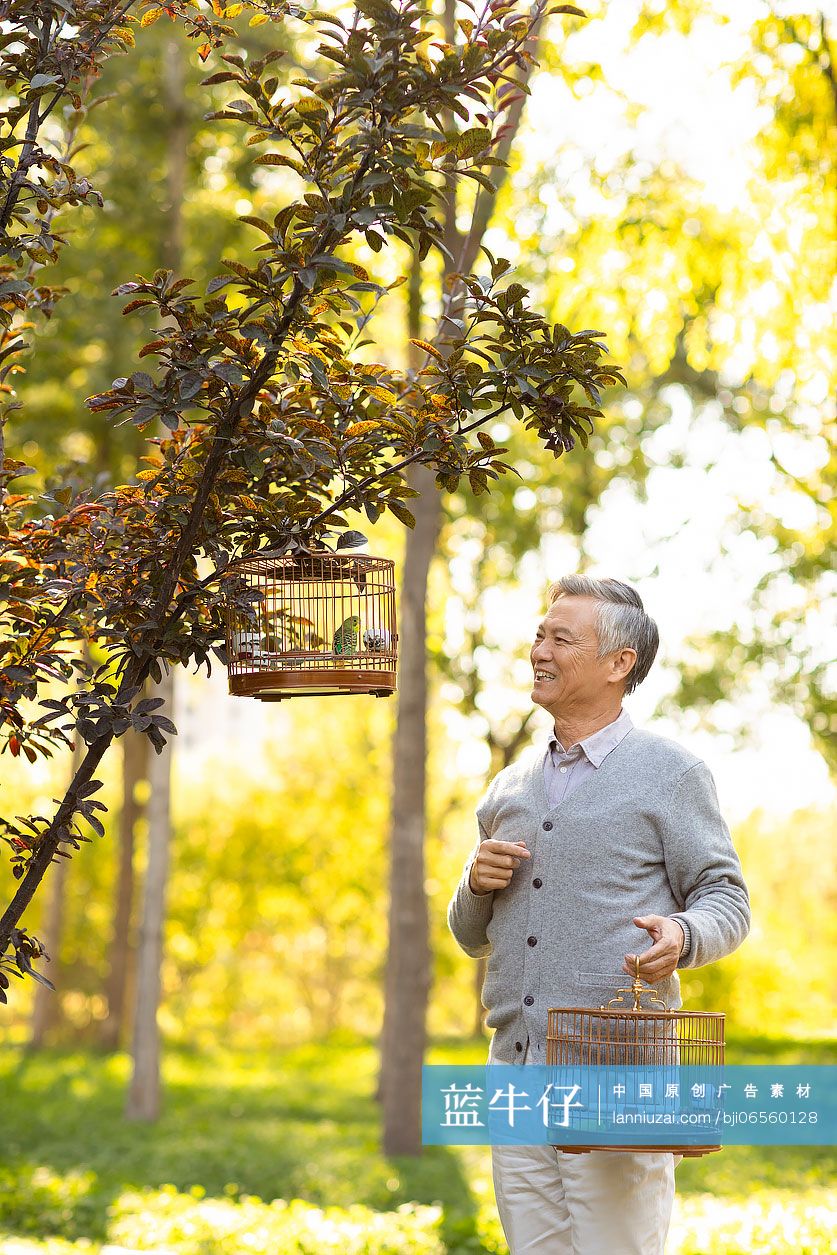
(541, 1104)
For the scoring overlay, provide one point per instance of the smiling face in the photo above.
(569, 678)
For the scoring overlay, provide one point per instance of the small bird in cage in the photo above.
(312, 641)
(377, 641)
(346, 637)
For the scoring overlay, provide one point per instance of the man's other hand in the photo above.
(661, 959)
(494, 865)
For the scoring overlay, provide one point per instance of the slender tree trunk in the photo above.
(46, 1009)
(144, 1099)
(408, 959)
(414, 320)
(135, 753)
(407, 984)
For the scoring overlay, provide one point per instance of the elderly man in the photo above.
(610, 834)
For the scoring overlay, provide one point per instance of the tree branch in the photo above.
(399, 466)
(36, 120)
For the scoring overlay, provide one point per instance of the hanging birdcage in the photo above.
(660, 1045)
(318, 623)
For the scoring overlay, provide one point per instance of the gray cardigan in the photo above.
(642, 836)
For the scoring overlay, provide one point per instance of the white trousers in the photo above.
(599, 1203)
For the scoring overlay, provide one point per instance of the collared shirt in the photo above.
(564, 770)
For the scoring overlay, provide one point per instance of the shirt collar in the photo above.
(598, 745)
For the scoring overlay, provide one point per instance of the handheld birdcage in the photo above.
(655, 1043)
(315, 624)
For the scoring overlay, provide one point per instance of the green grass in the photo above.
(238, 1131)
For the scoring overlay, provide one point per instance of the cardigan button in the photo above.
(537, 882)
(529, 1000)
(518, 1045)
(548, 826)
(532, 941)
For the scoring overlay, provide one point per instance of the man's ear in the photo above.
(621, 665)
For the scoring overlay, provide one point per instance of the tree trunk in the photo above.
(407, 984)
(114, 1031)
(144, 1099)
(144, 1094)
(46, 1009)
(408, 959)
(415, 309)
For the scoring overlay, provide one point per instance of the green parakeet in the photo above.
(346, 636)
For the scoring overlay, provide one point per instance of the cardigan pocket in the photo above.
(596, 988)
(605, 986)
(615, 980)
(609, 980)
(497, 983)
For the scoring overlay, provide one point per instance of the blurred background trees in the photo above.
(710, 263)
(276, 935)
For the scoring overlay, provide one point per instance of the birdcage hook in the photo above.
(638, 990)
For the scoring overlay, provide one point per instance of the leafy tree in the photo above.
(277, 422)
(734, 308)
(171, 183)
(783, 382)
(124, 138)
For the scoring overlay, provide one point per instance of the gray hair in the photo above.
(621, 620)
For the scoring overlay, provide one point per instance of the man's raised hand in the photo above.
(494, 865)
(660, 960)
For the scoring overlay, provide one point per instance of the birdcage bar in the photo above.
(321, 623)
(602, 1037)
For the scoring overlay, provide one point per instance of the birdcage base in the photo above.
(278, 685)
(688, 1152)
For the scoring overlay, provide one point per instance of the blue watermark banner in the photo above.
(578, 1105)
